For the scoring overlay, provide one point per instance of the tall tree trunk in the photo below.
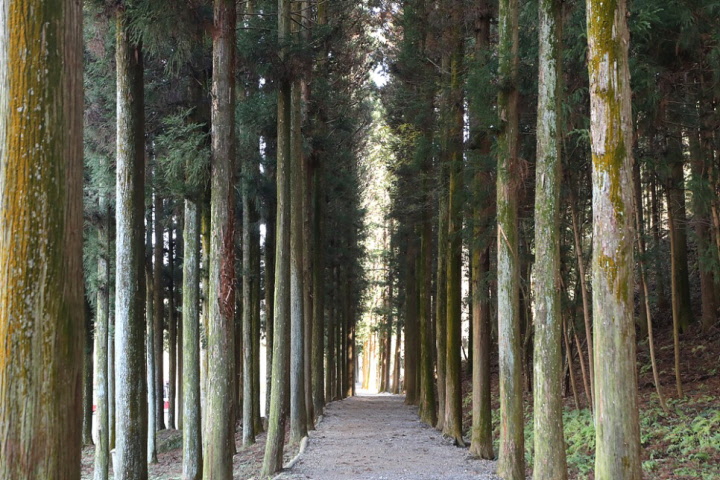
(412, 342)
(453, 382)
(172, 332)
(512, 457)
(484, 214)
(158, 306)
(180, 253)
(701, 219)
(192, 425)
(151, 358)
(131, 388)
(549, 456)
(677, 224)
(318, 275)
(248, 422)
(219, 427)
(279, 401)
(298, 412)
(87, 413)
(102, 451)
(41, 297)
(111, 356)
(618, 434)
(331, 349)
(269, 291)
(441, 298)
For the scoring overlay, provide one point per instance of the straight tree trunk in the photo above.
(677, 224)
(453, 381)
(481, 432)
(111, 359)
(279, 401)
(248, 422)
(511, 461)
(41, 297)
(331, 372)
(219, 427)
(158, 306)
(549, 453)
(269, 291)
(172, 333)
(441, 299)
(102, 451)
(192, 447)
(617, 434)
(88, 377)
(412, 341)
(151, 359)
(318, 274)
(701, 199)
(298, 412)
(130, 328)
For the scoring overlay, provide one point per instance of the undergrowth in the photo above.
(683, 444)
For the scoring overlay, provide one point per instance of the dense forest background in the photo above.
(508, 211)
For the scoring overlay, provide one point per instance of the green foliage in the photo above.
(183, 152)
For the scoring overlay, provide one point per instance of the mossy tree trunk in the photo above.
(279, 401)
(219, 443)
(192, 447)
(549, 453)
(512, 451)
(617, 429)
(130, 348)
(41, 298)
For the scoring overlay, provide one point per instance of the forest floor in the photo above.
(683, 444)
(379, 437)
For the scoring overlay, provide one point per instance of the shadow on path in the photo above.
(379, 437)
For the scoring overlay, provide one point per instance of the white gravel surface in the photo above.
(379, 437)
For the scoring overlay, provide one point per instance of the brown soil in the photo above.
(379, 437)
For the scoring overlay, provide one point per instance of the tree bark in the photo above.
(172, 332)
(412, 342)
(484, 215)
(131, 389)
(549, 455)
(298, 412)
(102, 451)
(41, 297)
(88, 377)
(453, 382)
(617, 433)
(219, 431)
(511, 461)
(192, 425)
(279, 401)
(158, 303)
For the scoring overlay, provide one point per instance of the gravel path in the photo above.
(379, 437)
